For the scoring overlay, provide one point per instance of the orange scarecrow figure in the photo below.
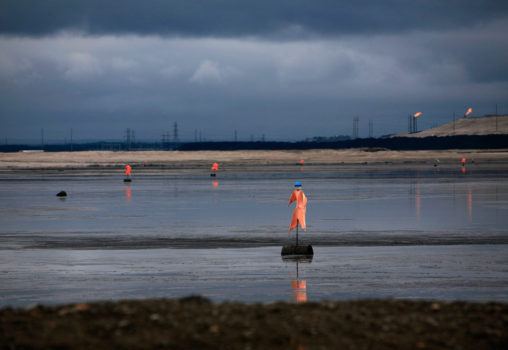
(128, 169)
(214, 168)
(301, 206)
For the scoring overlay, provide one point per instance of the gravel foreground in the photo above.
(197, 323)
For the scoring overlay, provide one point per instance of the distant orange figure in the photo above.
(128, 169)
(301, 207)
(463, 161)
(215, 167)
(302, 161)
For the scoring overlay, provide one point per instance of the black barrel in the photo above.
(297, 250)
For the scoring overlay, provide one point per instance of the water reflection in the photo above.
(463, 170)
(215, 183)
(417, 203)
(128, 192)
(414, 195)
(470, 203)
(298, 285)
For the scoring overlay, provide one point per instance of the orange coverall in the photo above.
(128, 170)
(215, 167)
(299, 212)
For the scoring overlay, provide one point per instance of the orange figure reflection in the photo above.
(298, 286)
(299, 290)
(301, 207)
(463, 170)
(128, 193)
(215, 183)
(417, 203)
(470, 203)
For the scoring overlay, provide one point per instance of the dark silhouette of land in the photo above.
(391, 143)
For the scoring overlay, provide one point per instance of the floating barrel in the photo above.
(297, 250)
(61, 194)
(297, 258)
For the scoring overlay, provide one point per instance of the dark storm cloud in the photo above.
(230, 18)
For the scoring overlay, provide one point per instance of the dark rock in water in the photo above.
(213, 175)
(127, 180)
(61, 194)
(297, 250)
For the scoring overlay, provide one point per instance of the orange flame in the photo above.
(417, 114)
(469, 110)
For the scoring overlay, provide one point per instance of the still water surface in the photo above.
(403, 234)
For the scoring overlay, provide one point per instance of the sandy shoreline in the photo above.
(203, 159)
(197, 323)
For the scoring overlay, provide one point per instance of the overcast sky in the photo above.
(284, 69)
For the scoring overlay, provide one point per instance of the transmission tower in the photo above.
(175, 132)
(129, 138)
(355, 127)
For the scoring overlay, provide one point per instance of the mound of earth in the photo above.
(197, 323)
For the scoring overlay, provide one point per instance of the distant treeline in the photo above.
(394, 143)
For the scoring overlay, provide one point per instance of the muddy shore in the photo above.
(197, 323)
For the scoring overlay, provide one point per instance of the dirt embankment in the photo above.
(101, 160)
(196, 323)
(486, 125)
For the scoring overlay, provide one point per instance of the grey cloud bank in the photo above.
(287, 73)
(226, 18)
